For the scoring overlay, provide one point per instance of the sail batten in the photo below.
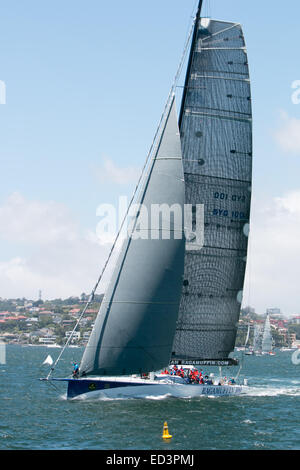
(216, 136)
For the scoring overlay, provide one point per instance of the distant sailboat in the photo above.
(248, 351)
(173, 300)
(257, 339)
(267, 340)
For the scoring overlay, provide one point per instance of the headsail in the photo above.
(216, 137)
(135, 327)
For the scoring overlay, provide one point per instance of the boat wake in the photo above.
(99, 396)
(158, 397)
(267, 391)
(93, 397)
(247, 391)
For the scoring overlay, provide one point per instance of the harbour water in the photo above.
(36, 416)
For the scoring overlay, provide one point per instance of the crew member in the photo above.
(75, 370)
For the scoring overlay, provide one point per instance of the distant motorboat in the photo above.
(249, 353)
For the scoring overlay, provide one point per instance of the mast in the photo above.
(194, 39)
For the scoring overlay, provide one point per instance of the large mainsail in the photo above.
(135, 327)
(216, 137)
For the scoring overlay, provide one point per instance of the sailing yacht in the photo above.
(248, 351)
(257, 340)
(267, 340)
(173, 300)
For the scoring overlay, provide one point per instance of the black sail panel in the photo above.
(216, 136)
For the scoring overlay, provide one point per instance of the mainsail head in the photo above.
(135, 327)
(216, 136)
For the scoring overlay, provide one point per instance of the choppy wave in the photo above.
(265, 391)
(158, 397)
(99, 396)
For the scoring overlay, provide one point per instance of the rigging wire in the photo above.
(195, 8)
(150, 153)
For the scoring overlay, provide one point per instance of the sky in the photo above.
(85, 87)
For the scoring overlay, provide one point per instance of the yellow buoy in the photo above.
(166, 434)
